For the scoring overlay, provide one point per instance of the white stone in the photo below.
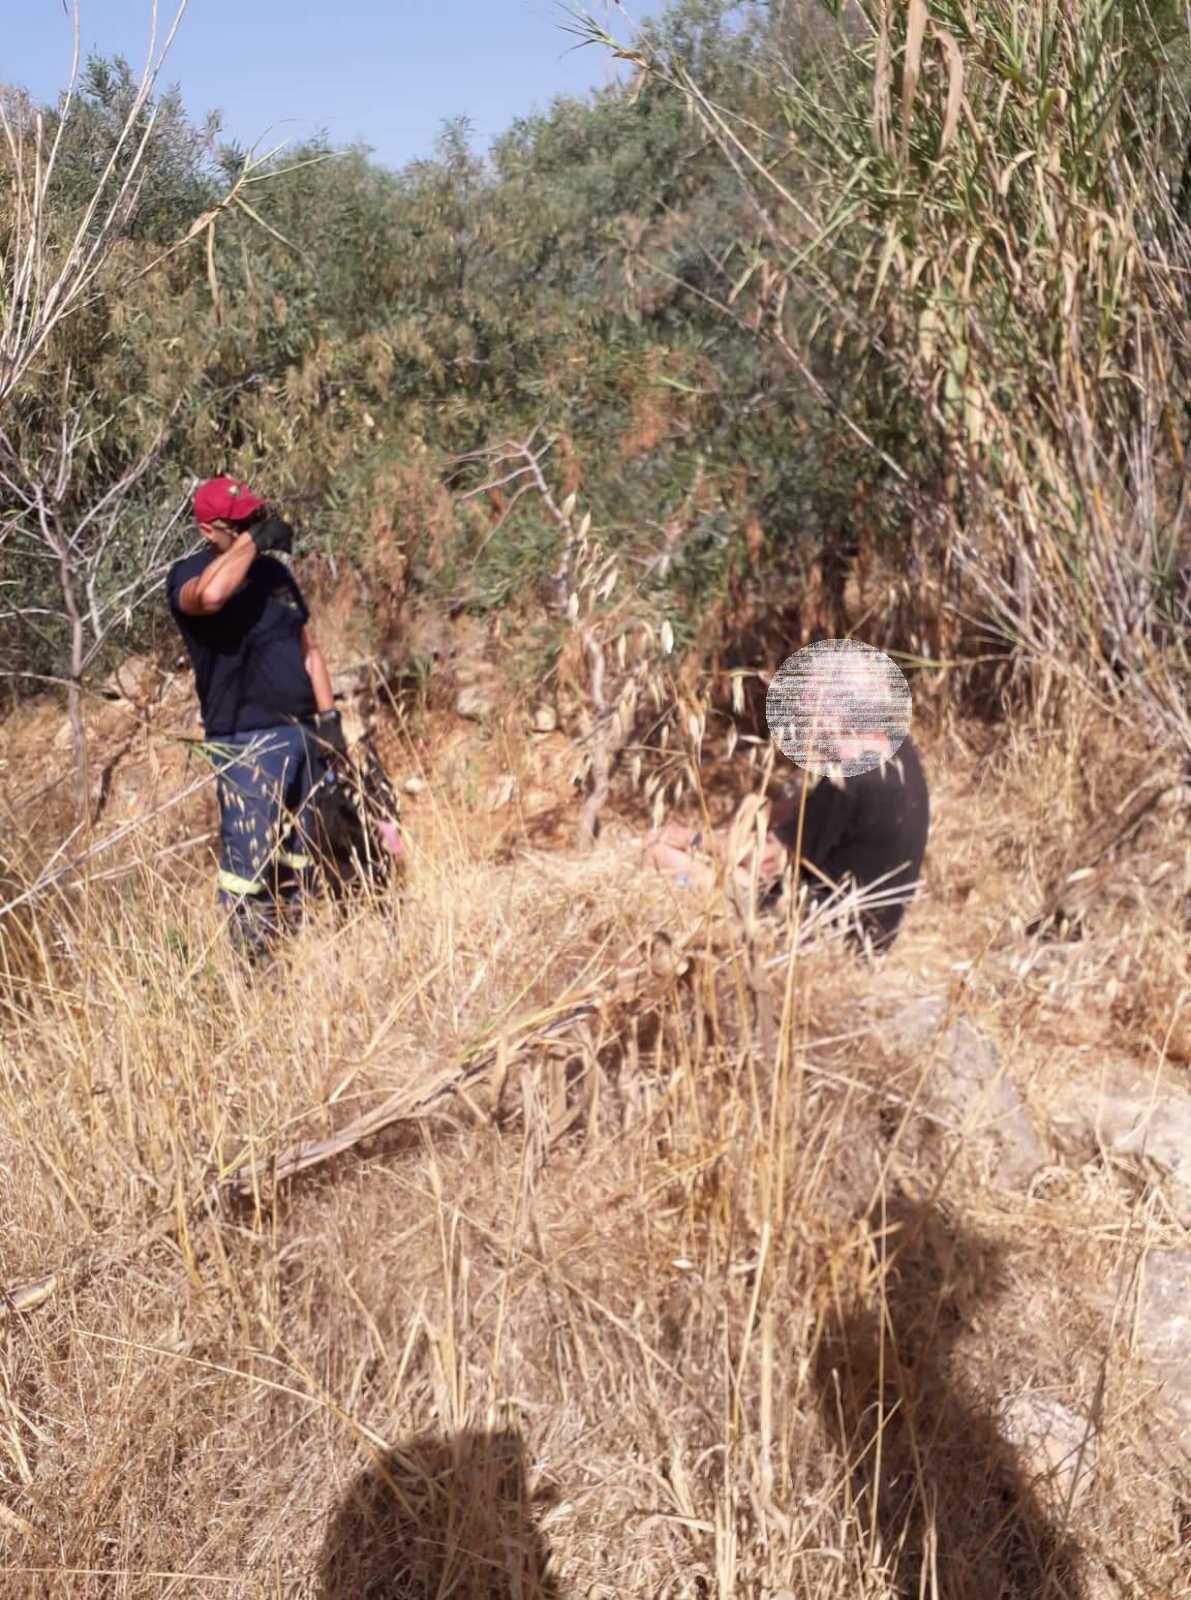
(137, 678)
(473, 670)
(1056, 1445)
(501, 792)
(413, 785)
(348, 681)
(966, 1087)
(352, 723)
(1164, 1327)
(545, 719)
(472, 702)
(1126, 1110)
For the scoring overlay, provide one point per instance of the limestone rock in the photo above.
(439, 639)
(545, 719)
(967, 1087)
(136, 679)
(1164, 1326)
(500, 793)
(352, 722)
(475, 683)
(352, 680)
(1125, 1110)
(1057, 1446)
(474, 702)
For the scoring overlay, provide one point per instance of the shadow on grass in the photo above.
(940, 1496)
(439, 1516)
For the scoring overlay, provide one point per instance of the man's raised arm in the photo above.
(216, 584)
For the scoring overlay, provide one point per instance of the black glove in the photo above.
(328, 730)
(272, 533)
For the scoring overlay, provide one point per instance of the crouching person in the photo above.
(266, 702)
(866, 832)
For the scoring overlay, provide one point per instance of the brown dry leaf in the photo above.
(9, 1519)
(882, 78)
(915, 34)
(955, 85)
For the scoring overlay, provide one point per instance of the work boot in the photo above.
(293, 906)
(253, 928)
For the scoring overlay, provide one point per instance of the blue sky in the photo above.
(389, 74)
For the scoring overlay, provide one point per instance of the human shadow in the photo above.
(934, 1485)
(437, 1516)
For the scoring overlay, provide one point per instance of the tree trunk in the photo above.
(600, 755)
(74, 694)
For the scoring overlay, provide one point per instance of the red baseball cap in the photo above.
(225, 500)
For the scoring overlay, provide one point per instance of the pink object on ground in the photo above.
(390, 837)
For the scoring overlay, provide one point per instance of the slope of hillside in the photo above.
(711, 1283)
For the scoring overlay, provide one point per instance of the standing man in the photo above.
(266, 701)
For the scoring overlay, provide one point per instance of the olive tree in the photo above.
(99, 197)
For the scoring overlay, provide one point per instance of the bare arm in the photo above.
(216, 584)
(735, 844)
(316, 671)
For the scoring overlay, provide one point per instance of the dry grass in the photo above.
(667, 1316)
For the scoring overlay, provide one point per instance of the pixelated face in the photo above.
(838, 706)
(852, 708)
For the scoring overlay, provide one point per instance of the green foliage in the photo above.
(1002, 262)
(179, 174)
(759, 319)
(361, 322)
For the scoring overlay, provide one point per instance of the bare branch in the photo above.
(38, 292)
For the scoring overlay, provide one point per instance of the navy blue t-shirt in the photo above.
(249, 668)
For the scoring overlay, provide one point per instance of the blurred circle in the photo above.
(838, 708)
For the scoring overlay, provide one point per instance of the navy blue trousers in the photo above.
(265, 784)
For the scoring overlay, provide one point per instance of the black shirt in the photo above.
(875, 824)
(249, 667)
